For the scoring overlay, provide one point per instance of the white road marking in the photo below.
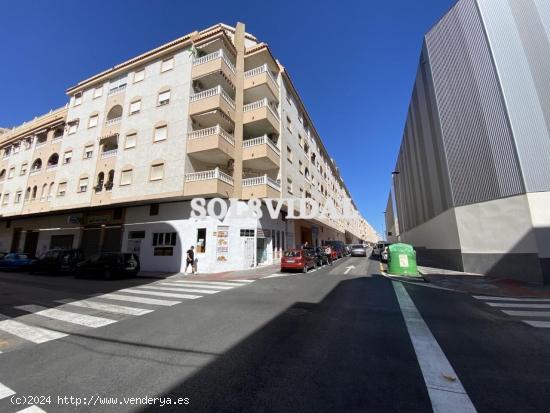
(527, 313)
(30, 333)
(348, 269)
(487, 298)
(142, 300)
(313, 270)
(158, 293)
(31, 409)
(539, 324)
(180, 289)
(518, 305)
(446, 396)
(5, 391)
(67, 316)
(220, 283)
(277, 275)
(243, 281)
(111, 308)
(188, 284)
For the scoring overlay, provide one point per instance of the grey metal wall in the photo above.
(478, 126)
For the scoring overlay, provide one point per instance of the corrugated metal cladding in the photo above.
(518, 32)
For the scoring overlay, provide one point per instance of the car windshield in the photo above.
(293, 253)
(357, 246)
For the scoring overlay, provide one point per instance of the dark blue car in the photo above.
(16, 261)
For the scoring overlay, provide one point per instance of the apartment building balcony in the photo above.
(212, 145)
(111, 153)
(212, 183)
(210, 100)
(261, 153)
(260, 82)
(213, 63)
(260, 117)
(260, 187)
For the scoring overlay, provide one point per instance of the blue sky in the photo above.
(352, 62)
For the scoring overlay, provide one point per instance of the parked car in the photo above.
(379, 248)
(347, 249)
(58, 261)
(320, 255)
(331, 253)
(297, 259)
(336, 245)
(358, 250)
(16, 261)
(109, 265)
(384, 255)
(3, 254)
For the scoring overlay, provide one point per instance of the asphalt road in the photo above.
(317, 342)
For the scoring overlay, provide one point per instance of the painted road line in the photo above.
(158, 293)
(243, 281)
(31, 409)
(5, 391)
(527, 313)
(193, 285)
(277, 275)
(141, 300)
(518, 305)
(481, 297)
(110, 308)
(30, 333)
(67, 316)
(178, 289)
(446, 395)
(538, 324)
(220, 283)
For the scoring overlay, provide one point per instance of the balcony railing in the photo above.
(109, 153)
(117, 89)
(262, 180)
(259, 70)
(35, 171)
(260, 104)
(261, 141)
(113, 121)
(39, 144)
(218, 54)
(207, 175)
(203, 133)
(50, 167)
(57, 139)
(218, 90)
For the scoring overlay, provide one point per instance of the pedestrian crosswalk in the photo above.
(40, 324)
(6, 393)
(531, 311)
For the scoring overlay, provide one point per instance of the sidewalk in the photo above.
(483, 285)
(249, 274)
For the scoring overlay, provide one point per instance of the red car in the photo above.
(331, 252)
(297, 259)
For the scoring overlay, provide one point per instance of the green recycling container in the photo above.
(402, 260)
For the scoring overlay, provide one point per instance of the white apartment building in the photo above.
(211, 114)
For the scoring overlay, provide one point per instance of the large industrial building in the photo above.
(471, 187)
(211, 114)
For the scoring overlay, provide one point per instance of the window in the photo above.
(73, 127)
(167, 64)
(18, 196)
(136, 235)
(289, 154)
(164, 98)
(11, 173)
(61, 189)
(6, 198)
(67, 156)
(289, 124)
(301, 166)
(135, 107)
(161, 133)
(307, 173)
(16, 147)
(247, 232)
(126, 177)
(157, 172)
(83, 184)
(34, 191)
(201, 239)
(165, 239)
(301, 140)
(98, 92)
(131, 141)
(92, 122)
(23, 170)
(88, 151)
(2, 174)
(154, 209)
(289, 185)
(139, 75)
(78, 99)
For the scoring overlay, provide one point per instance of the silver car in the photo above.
(358, 250)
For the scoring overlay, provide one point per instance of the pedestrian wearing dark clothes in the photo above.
(190, 260)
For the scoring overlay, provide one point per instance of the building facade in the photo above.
(472, 179)
(209, 115)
